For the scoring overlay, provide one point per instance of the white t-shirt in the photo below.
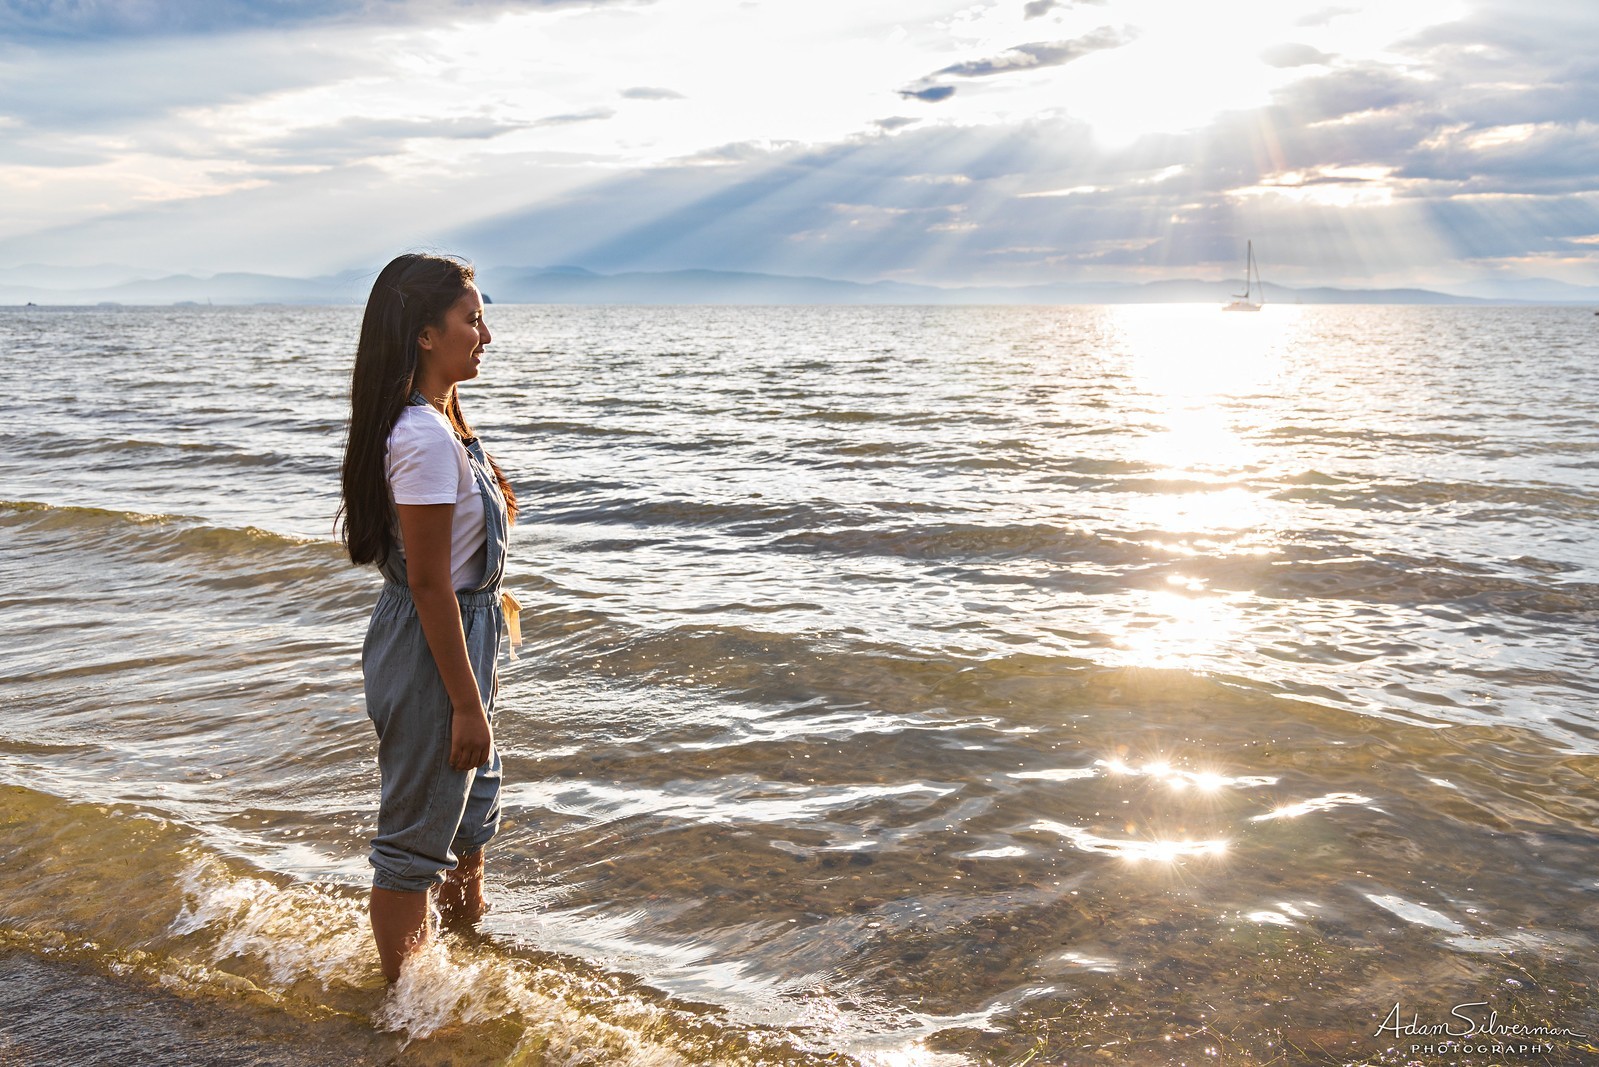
(427, 464)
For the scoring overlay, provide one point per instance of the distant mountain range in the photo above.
(59, 286)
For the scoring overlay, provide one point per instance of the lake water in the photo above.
(902, 686)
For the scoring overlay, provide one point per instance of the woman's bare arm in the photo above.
(426, 530)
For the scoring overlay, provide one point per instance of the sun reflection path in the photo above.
(1171, 630)
(1202, 784)
(1314, 804)
(1162, 771)
(1191, 350)
(1161, 850)
(1206, 382)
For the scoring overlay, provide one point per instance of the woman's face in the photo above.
(451, 351)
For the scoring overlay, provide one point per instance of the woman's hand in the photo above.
(471, 739)
(426, 528)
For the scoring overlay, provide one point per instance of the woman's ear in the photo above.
(425, 338)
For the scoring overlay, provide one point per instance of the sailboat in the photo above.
(1253, 298)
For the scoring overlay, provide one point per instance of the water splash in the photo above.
(296, 932)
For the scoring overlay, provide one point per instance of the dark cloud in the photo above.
(83, 82)
(44, 21)
(1036, 8)
(1022, 57)
(1354, 90)
(1039, 54)
(80, 19)
(1513, 63)
(1495, 103)
(105, 85)
(1524, 160)
(645, 92)
(895, 122)
(1294, 55)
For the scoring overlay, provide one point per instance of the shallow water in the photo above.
(922, 686)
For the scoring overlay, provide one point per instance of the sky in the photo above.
(1367, 144)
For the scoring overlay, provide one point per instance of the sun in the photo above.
(1186, 64)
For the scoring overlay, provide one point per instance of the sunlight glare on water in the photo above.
(1190, 351)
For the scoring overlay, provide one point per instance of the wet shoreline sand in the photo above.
(60, 1013)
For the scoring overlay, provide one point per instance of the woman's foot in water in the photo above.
(461, 903)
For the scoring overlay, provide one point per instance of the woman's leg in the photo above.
(461, 903)
(399, 926)
(461, 896)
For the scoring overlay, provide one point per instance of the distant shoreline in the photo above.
(219, 306)
(572, 285)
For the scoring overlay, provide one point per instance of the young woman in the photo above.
(425, 503)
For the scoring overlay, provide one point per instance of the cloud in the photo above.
(1323, 16)
(1506, 64)
(825, 210)
(593, 114)
(1347, 201)
(105, 85)
(1033, 56)
(739, 152)
(948, 203)
(1473, 140)
(64, 20)
(1294, 55)
(1037, 8)
(1498, 229)
(1354, 90)
(298, 223)
(1550, 158)
(645, 92)
(1038, 54)
(44, 21)
(354, 138)
(1493, 104)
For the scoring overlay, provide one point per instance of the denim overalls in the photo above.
(431, 814)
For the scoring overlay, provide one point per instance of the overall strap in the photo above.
(495, 518)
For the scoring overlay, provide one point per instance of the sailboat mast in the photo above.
(1254, 294)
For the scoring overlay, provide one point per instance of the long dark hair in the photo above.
(413, 291)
